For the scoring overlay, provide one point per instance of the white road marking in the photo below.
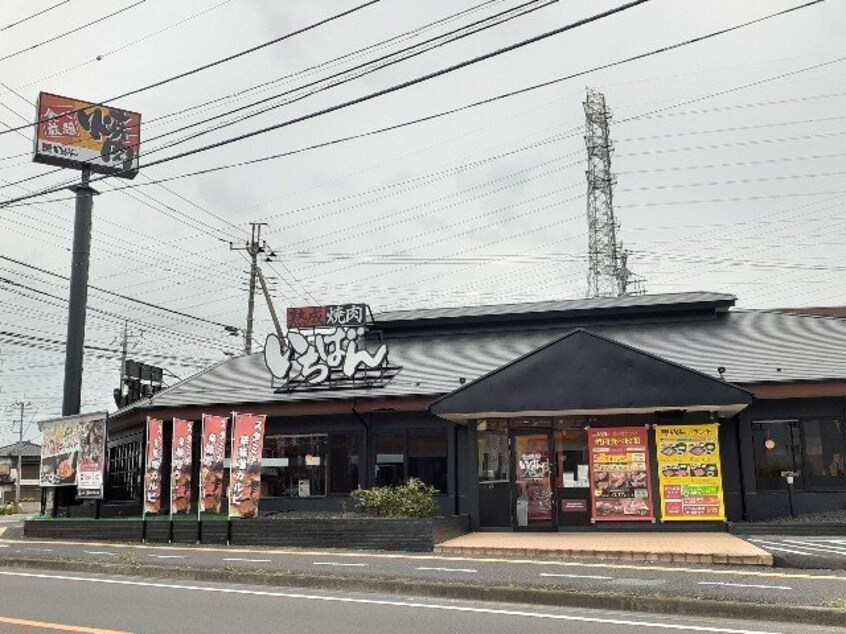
(776, 546)
(254, 561)
(396, 604)
(744, 585)
(98, 552)
(836, 550)
(4, 545)
(435, 568)
(42, 550)
(167, 556)
(338, 563)
(554, 574)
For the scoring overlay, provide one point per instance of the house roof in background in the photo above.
(25, 449)
(753, 347)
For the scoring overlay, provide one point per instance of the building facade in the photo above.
(29, 458)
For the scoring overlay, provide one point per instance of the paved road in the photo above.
(37, 603)
(804, 552)
(759, 585)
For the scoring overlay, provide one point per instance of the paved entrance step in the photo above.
(689, 548)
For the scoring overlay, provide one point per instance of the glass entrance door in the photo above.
(533, 495)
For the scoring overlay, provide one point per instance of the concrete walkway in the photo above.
(690, 548)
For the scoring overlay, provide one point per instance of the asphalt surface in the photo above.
(804, 552)
(36, 602)
(750, 584)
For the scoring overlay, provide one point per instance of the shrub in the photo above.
(412, 499)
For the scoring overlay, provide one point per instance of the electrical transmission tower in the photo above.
(608, 275)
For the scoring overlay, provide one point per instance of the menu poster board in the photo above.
(689, 472)
(619, 474)
(92, 458)
(245, 465)
(153, 466)
(59, 453)
(212, 455)
(180, 466)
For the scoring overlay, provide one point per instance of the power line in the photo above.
(66, 33)
(34, 15)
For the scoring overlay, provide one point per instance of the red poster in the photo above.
(180, 467)
(212, 455)
(621, 488)
(245, 465)
(153, 467)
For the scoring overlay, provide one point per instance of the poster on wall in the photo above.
(59, 453)
(245, 465)
(212, 455)
(153, 466)
(92, 452)
(180, 466)
(691, 482)
(619, 474)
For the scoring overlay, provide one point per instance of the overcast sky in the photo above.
(730, 177)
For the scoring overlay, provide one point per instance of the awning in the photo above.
(583, 373)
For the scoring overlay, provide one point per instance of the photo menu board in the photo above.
(619, 474)
(689, 472)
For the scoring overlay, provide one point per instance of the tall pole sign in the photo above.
(92, 138)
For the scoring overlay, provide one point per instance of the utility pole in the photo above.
(23, 406)
(608, 273)
(253, 247)
(75, 343)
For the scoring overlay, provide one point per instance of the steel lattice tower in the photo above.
(608, 275)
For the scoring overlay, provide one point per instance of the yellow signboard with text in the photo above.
(690, 472)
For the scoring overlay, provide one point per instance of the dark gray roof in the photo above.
(676, 301)
(25, 448)
(753, 347)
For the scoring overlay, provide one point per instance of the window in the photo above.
(824, 453)
(775, 452)
(411, 453)
(493, 456)
(294, 465)
(124, 471)
(343, 462)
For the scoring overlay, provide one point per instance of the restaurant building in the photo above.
(656, 412)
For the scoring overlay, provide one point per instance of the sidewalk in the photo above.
(690, 548)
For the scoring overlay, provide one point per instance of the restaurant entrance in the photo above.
(533, 491)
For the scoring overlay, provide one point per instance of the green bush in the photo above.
(412, 499)
(8, 508)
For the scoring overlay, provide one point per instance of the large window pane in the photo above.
(390, 457)
(343, 462)
(493, 456)
(427, 456)
(294, 465)
(774, 453)
(824, 453)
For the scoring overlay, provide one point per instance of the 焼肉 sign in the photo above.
(180, 466)
(84, 135)
(619, 474)
(92, 459)
(153, 466)
(59, 454)
(73, 453)
(689, 472)
(212, 454)
(245, 465)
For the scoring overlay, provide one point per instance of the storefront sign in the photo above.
(153, 466)
(59, 453)
(619, 474)
(245, 469)
(92, 458)
(180, 467)
(689, 473)
(212, 454)
(327, 347)
(83, 135)
(574, 506)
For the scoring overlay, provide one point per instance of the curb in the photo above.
(807, 530)
(460, 591)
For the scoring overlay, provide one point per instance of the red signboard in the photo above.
(212, 454)
(180, 467)
(621, 488)
(245, 465)
(153, 467)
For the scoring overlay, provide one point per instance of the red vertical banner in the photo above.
(212, 455)
(153, 466)
(245, 465)
(621, 488)
(180, 466)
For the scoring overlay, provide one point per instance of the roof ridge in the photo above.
(788, 311)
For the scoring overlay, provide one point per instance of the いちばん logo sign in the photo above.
(83, 135)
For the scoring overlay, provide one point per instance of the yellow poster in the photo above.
(690, 472)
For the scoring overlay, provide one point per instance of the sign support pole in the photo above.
(78, 300)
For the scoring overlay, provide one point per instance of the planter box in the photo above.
(214, 532)
(157, 530)
(185, 532)
(94, 530)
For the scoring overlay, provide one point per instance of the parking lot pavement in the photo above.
(804, 552)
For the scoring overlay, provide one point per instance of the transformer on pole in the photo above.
(608, 274)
